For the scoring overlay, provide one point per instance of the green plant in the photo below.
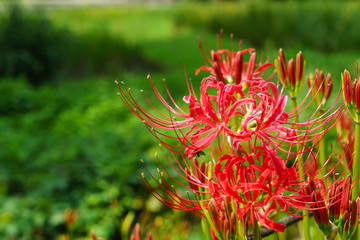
(31, 46)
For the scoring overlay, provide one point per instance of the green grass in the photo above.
(164, 39)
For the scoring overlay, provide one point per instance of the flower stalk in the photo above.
(320, 88)
(351, 94)
(356, 161)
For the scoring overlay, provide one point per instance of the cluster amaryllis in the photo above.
(260, 193)
(248, 118)
(251, 180)
(252, 110)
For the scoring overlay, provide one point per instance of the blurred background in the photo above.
(69, 148)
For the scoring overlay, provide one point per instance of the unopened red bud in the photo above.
(357, 94)
(190, 181)
(309, 83)
(226, 228)
(346, 194)
(317, 217)
(310, 188)
(354, 213)
(346, 84)
(316, 77)
(195, 163)
(214, 214)
(233, 223)
(338, 203)
(238, 67)
(321, 81)
(202, 171)
(282, 65)
(149, 236)
(329, 86)
(251, 65)
(299, 66)
(217, 67)
(207, 167)
(70, 216)
(137, 231)
(320, 214)
(227, 207)
(196, 170)
(334, 201)
(93, 237)
(291, 72)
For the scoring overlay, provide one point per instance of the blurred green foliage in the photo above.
(34, 48)
(72, 144)
(321, 25)
(68, 146)
(30, 46)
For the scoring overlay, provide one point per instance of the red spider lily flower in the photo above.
(252, 181)
(236, 112)
(322, 87)
(233, 114)
(228, 65)
(286, 71)
(351, 95)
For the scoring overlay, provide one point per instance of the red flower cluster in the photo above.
(264, 161)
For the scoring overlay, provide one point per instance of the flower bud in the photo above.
(321, 88)
(233, 224)
(291, 76)
(328, 86)
(300, 67)
(291, 72)
(251, 65)
(351, 95)
(238, 67)
(214, 214)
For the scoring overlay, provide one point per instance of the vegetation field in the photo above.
(68, 142)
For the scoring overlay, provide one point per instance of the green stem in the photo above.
(322, 153)
(306, 219)
(294, 105)
(356, 162)
(257, 234)
(356, 171)
(306, 227)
